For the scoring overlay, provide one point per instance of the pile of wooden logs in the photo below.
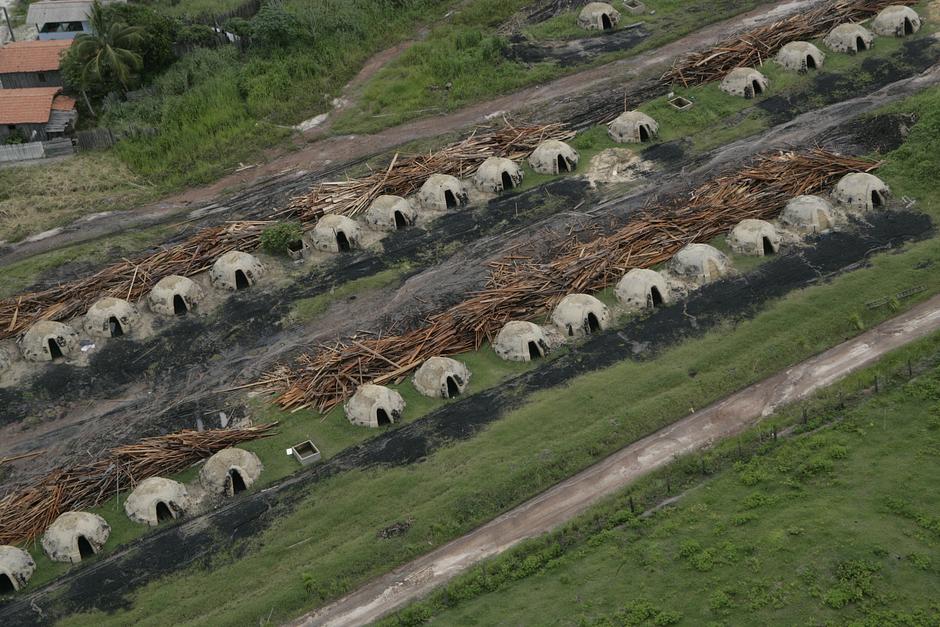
(27, 511)
(405, 175)
(752, 48)
(132, 278)
(527, 287)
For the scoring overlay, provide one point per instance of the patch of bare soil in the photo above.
(616, 165)
(106, 584)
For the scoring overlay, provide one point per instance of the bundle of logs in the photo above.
(527, 287)
(404, 176)
(752, 48)
(132, 278)
(27, 511)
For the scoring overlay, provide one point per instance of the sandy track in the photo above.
(566, 500)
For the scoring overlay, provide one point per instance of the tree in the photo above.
(158, 31)
(107, 57)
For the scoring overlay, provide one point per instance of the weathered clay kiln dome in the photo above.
(850, 38)
(235, 270)
(754, 237)
(896, 21)
(111, 317)
(230, 471)
(861, 190)
(47, 340)
(497, 174)
(441, 377)
(701, 262)
(390, 213)
(598, 16)
(175, 295)
(156, 500)
(800, 56)
(641, 288)
(374, 406)
(519, 340)
(578, 315)
(73, 536)
(744, 81)
(16, 567)
(442, 192)
(633, 127)
(334, 233)
(553, 157)
(807, 214)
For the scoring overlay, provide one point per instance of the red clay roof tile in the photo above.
(32, 56)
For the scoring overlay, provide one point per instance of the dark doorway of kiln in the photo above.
(84, 547)
(238, 484)
(381, 416)
(179, 305)
(241, 281)
(54, 351)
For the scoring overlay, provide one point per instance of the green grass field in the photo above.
(838, 524)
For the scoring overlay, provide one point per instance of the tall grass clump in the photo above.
(216, 107)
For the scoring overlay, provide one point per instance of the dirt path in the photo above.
(313, 151)
(566, 500)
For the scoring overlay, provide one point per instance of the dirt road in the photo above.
(317, 152)
(571, 497)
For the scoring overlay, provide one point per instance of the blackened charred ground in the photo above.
(826, 88)
(108, 583)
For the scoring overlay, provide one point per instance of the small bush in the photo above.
(278, 239)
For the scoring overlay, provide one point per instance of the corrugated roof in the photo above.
(27, 106)
(40, 13)
(32, 56)
(47, 11)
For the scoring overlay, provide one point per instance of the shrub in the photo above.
(278, 239)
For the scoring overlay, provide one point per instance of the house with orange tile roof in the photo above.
(32, 63)
(36, 113)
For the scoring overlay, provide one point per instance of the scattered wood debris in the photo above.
(525, 288)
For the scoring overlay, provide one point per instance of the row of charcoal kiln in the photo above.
(110, 317)
(77, 535)
(440, 193)
(638, 127)
(800, 56)
(640, 289)
(176, 295)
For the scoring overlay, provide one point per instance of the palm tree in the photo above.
(107, 53)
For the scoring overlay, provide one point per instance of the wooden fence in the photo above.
(94, 139)
(59, 147)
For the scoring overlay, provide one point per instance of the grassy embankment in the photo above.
(836, 525)
(552, 436)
